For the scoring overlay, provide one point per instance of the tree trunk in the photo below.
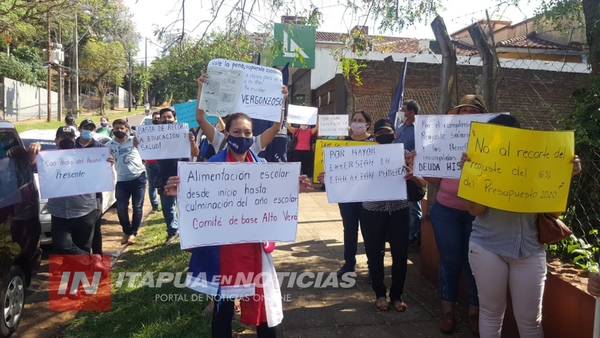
(101, 94)
(591, 12)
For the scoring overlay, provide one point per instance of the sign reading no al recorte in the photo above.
(516, 169)
(229, 203)
(318, 167)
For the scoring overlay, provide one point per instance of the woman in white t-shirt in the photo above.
(218, 139)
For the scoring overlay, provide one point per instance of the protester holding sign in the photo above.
(350, 212)
(73, 217)
(504, 251)
(131, 180)
(451, 224)
(166, 169)
(248, 259)
(387, 220)
(302, 151)
(219, 140)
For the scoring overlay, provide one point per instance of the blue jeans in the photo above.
(452, 229)
(415, 219)
(152, 170)
(168, 210)
(134, 189)
(350, 216)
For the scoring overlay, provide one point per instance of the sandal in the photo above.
(447, 323)
(399, 305)
(382, 304)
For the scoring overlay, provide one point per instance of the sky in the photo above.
(457, 14)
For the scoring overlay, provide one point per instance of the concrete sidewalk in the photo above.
(350, 312)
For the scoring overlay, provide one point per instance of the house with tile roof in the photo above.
(540, 69)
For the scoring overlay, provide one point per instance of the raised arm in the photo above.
(268, 135)
(206, 127)
(290, 128)
(315, 129)
(195, 151)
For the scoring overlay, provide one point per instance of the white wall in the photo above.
(26, 102)
(123, 98)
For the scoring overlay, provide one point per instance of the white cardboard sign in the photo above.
(365, 173)
(234, 86)
(302, 114)
(333, 125)
(229, 203)
(163, 141)
(74, 172)
(440, 141)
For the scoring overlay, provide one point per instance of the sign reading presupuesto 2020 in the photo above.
(230, 203)
(518, 170)
(74, 172)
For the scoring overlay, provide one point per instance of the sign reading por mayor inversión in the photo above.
(298, 45)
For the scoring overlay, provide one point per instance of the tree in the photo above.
(103, 64)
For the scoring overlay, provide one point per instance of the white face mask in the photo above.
(358, 127)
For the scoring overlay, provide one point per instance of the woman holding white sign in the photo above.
(262, 306)
(451, 223)
(387, 220)
(504, 252)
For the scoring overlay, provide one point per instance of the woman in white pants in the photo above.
(504, 252)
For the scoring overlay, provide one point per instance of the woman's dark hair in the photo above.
(364, 114)
(69, 120)
(234, 117)
(505, 120)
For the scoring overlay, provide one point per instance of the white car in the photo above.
(46, 137)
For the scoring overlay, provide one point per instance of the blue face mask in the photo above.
(239, 145)
(86, 134)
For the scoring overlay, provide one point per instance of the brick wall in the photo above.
(539, 99)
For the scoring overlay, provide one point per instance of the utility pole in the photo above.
(49, 73)
(60, 80)
(129, 89)
(146, 64)
(76, 65)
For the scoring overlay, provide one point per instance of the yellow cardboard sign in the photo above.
(319, 167)
(517, 169)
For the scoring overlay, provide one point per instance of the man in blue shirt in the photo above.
(406, 135)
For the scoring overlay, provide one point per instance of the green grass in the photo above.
(37, 124)
(134, 310)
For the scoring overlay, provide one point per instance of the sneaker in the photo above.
(154, 208)
(131, 239)
(124, 238)
(171, 238)
(345, 269)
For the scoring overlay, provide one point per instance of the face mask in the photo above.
(385, 138)
(239, 145)
(155, 121)
(358, 127)
(167, 122)
(120, 134)
(104, 124)
(66, 144)
(86, 134)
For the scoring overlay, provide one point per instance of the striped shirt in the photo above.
(509, 234)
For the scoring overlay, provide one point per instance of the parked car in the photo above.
(46, 137)
(20, 228)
